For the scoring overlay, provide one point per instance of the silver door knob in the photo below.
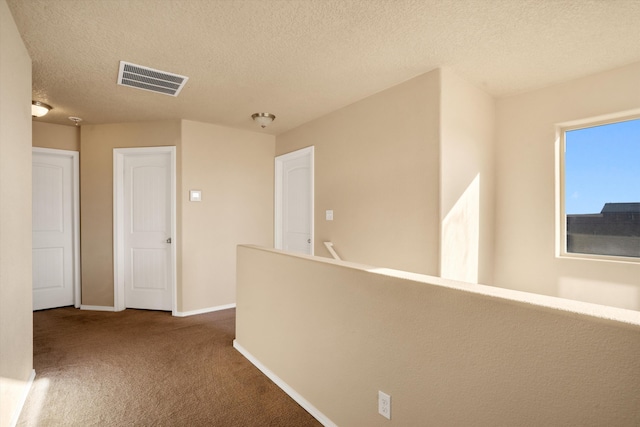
(308, 240)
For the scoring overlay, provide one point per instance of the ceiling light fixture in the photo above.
(263, 119)
(75, 120)
(39, 109)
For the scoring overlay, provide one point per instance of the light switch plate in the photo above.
(195, 195)
(329, 215)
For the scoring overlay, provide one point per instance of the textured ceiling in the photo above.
(301, 59)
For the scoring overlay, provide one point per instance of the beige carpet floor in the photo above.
(147, 368)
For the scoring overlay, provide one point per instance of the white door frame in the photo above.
(279, 169)
(75, 213)
(119, 155)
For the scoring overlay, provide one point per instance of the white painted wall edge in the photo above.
(23, 399)
(203, 310)
(97, 308)
(315, 413)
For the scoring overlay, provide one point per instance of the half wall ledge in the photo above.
(571, 306)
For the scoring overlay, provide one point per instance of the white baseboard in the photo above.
(176, 313)
(203, 310)
(23, 399)
(96, 308)
(315, 413)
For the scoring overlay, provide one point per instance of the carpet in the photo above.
(147, 368)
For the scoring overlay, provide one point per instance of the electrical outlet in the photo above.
(384, 404)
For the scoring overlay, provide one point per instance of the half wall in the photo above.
(449, 353)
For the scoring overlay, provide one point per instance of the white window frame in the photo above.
(561, 217)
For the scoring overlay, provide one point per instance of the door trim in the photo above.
(75, 213)
(279, 164)
(119, 155)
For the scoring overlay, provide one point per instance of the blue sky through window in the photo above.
(602, 165)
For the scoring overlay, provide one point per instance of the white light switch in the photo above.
(329, 215)
(195, 195)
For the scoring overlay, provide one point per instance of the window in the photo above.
(601, 191)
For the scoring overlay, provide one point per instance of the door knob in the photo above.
(308, 240)
(169, 240)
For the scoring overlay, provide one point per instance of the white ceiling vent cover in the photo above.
(146, 78)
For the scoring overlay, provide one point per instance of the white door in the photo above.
(294, 201)
(54, 232)
(146, 228)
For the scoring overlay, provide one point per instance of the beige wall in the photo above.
(525, 188)
(96, 196)
(16, 324)
(234, 171)
(435, 176)
(377, 168)
(47, 135)
(467, 133)
(448, 353)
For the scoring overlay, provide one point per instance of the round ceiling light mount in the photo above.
(75, 120)
(39, 109)
(263, 119)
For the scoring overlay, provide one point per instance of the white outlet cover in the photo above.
(329, 215)
(384, 404)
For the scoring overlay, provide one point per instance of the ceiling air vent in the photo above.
(146, 78)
